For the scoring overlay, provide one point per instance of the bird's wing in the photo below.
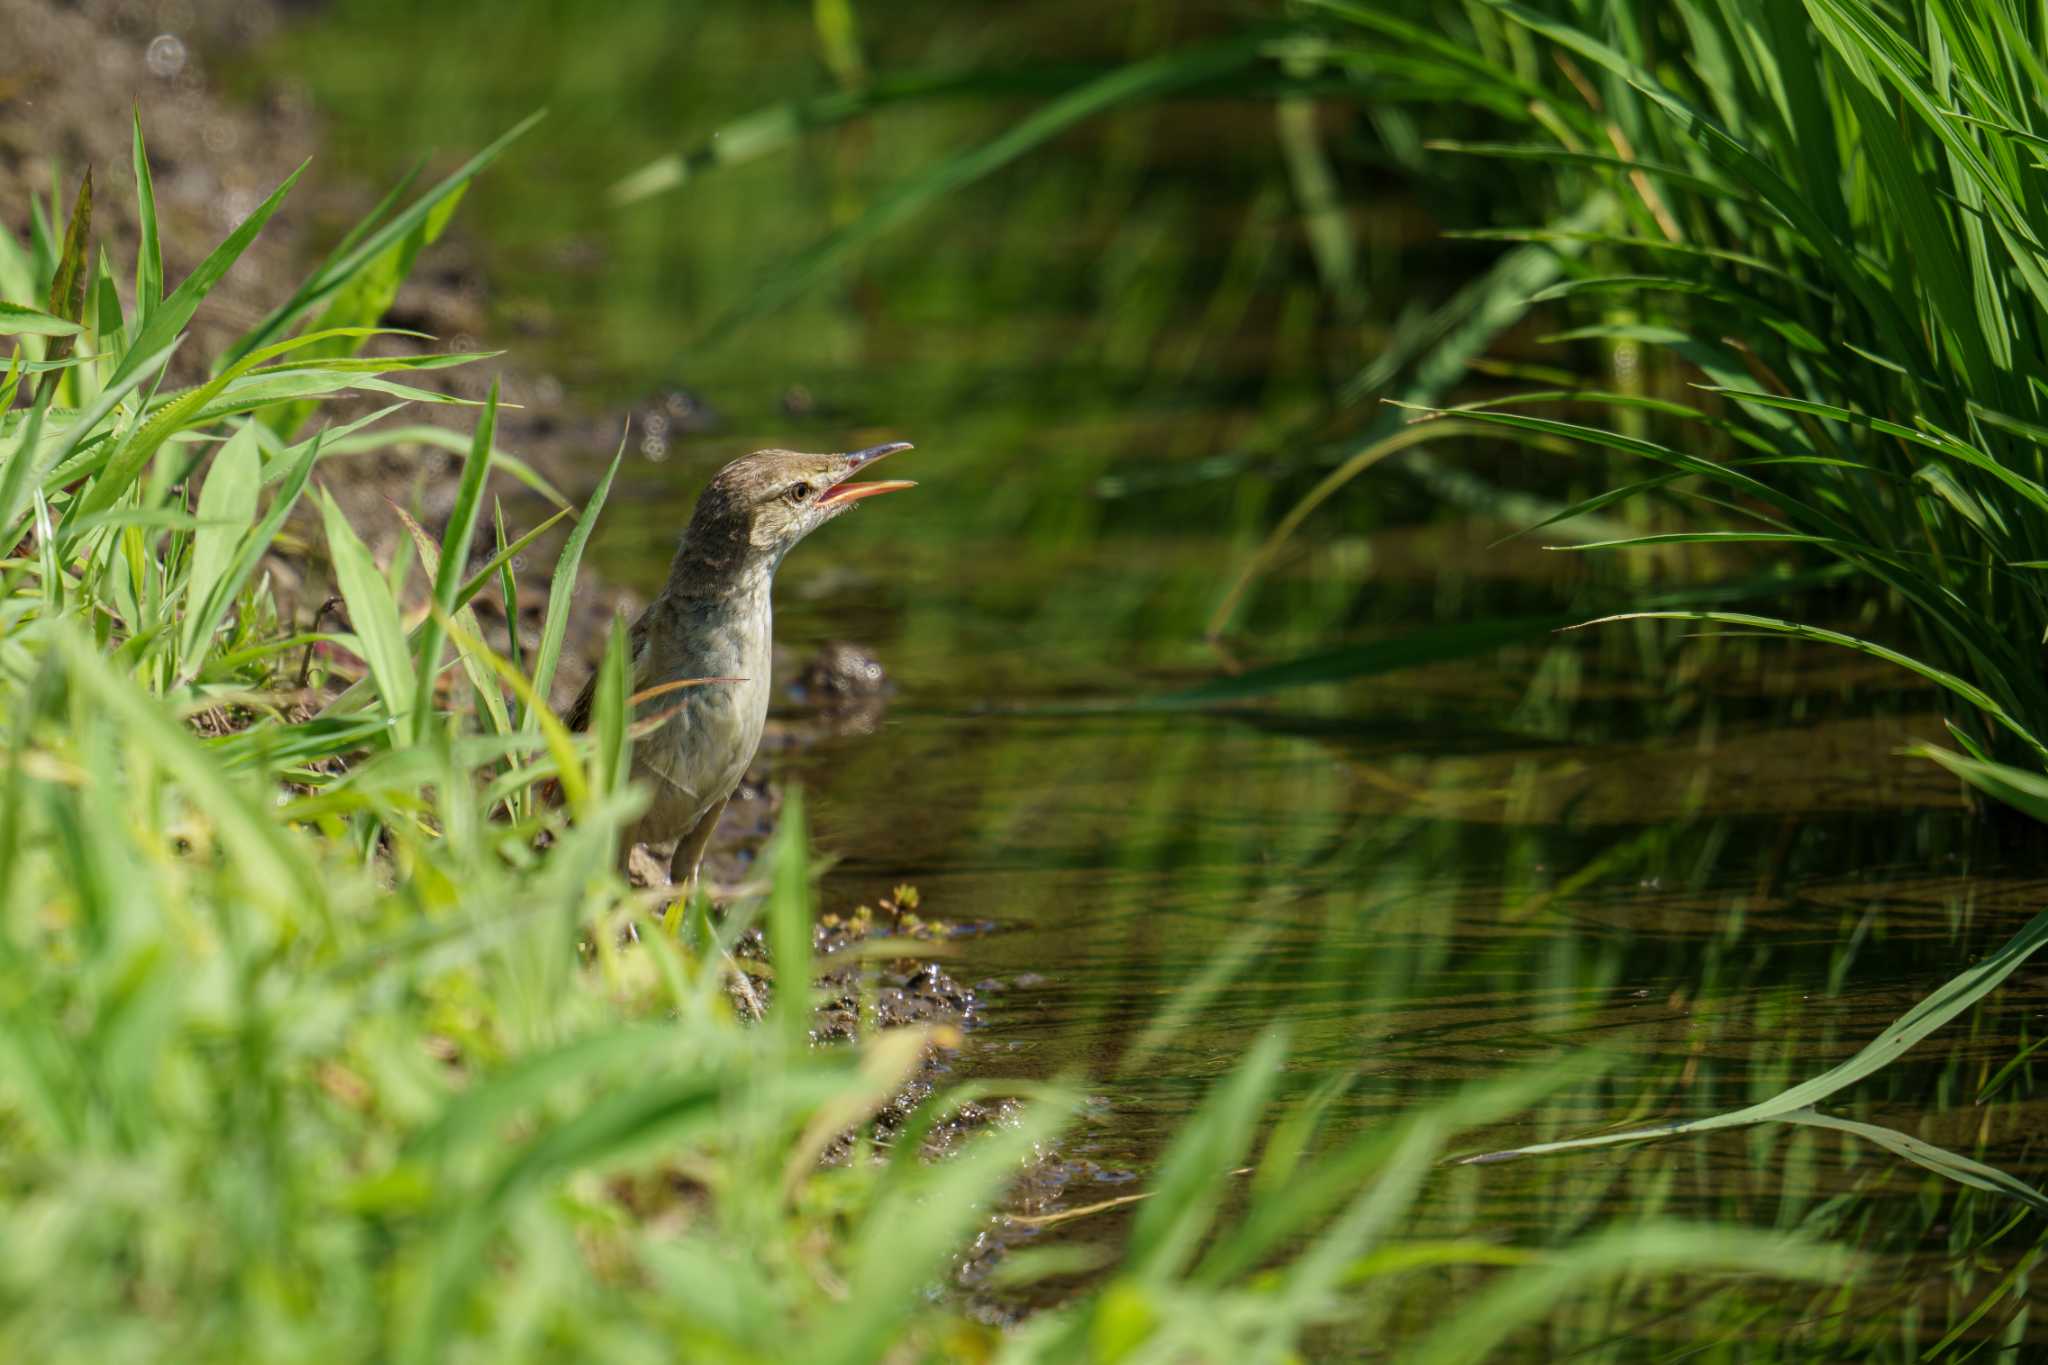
(577, 717)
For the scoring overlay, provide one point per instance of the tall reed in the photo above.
(1824, 218)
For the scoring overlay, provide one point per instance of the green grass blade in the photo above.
(508, 582)
(440, 438)
(249, 392)
(499, 565)
(1553, 155)
(1617, 441)
(46, 366)
(68, 285)
(612, 704)
(1961, 992)
(2024, 791)
(455, 543)
(165, 324)
(778, 127)
(149, 254)
(336, 274)
(1430, 644)
(1150, 78)
(1949, 1165)
(560, 590)
(190, 409)
(480, 679)
(1520, 1297)
(249, 554)
(362, 302)
(789, 926)
(26, 473)
(1957, 686)
(20, 320)
(374, 615)
(537, 714)
(1699, 538)
(103, 304)
(1188, 1189)
(19, 475)
(227, 506)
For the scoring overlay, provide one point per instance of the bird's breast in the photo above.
(713, 729)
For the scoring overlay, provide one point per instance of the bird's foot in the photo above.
(644, 869)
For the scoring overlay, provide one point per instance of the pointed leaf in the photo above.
(227, 509)
(374, 614)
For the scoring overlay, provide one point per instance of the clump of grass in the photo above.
(1825, 218)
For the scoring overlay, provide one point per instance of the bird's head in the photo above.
(761, 504)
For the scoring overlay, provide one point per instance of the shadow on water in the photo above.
(1702, 861)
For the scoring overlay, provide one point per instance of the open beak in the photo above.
(845, 492)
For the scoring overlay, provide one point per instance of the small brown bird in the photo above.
(714, 620)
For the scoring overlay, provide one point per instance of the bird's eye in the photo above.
(800, 493)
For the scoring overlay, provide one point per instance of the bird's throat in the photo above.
(715, 624)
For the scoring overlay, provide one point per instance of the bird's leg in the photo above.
(682, 864)
(682, 873)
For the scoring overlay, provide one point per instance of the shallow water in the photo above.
(1702, 861)
(1719, 908)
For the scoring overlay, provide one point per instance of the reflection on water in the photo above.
(1701, 860)
(1720, 908)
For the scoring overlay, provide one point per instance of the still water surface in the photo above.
(1704, 861)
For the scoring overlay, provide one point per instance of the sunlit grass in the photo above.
(1825, 221)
